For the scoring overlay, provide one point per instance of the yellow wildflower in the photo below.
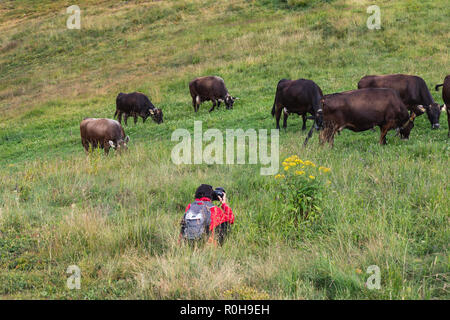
(299, 172)
(279, 176)
(309, 163)
(324, 169)
(291, 158)
(312, 177)
(286, 168)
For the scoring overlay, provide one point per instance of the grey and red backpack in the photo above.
(196, 221)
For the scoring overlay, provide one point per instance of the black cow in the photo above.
(300, 96)
(210, 88)
(360, 110)
(136, 104)
(446, 98)
(412, 90)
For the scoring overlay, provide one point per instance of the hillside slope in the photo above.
(117, 217)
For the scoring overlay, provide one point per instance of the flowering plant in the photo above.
(302, 183)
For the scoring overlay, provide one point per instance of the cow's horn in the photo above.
(421, 108)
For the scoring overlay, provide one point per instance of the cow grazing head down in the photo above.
(433, 112)
(157, 115)
(318, 119)
(229, 101)
(405, 130)
(121, 144)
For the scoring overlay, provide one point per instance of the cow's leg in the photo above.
(309, 134)
(218, 104)
(285, 117)
(331, 140)
(119, 117)
(278, 115)
(135, 118)
(304, 122)
(213, 105)
(115, 113)
(125, 118)
(105, 146)
(384, 130)
(85, 145)
(448, 119)
(194, 104)
(324, 136)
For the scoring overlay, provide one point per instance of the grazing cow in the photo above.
(446, 98)
(103, 133)
(136, 104)
(297, 96)
(211, 88)
(360, 110)
(412, 90)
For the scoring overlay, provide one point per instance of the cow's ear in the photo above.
(127, 139)
(111, 143)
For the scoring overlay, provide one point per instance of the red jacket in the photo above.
(218, 215)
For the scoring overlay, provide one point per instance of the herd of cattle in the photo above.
(387, 101)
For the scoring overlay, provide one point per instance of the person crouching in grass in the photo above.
(203, 220)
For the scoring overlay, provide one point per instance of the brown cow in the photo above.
(364, 109)
(103, 133)
(210, 88)
(412, 90)
(446, 98)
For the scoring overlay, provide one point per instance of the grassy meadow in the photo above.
(117, 217)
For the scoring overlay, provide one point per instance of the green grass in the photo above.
(117, 217)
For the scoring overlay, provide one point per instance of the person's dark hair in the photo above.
(205, 190)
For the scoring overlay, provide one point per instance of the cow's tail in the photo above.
(273, 109)
(437, 86)
(115, 113)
